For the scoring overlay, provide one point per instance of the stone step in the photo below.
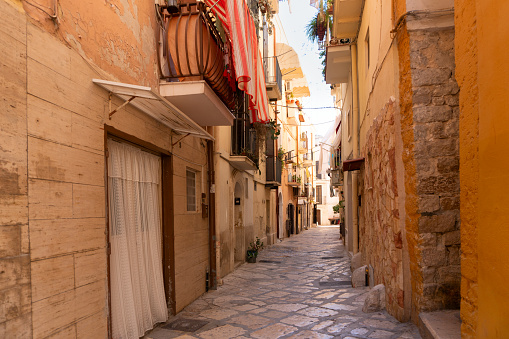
(444, 324)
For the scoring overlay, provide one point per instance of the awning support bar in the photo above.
(179, 140)
(121, 106)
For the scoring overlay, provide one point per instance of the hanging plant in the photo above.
(254, 158)
(281, 157)
(274, 128)
(317, 27)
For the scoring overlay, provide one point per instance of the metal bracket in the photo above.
(179, 140)
(119, 107)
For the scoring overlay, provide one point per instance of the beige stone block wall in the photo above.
(66, 193)
(192, 251)
(15, 293)
(52, 199)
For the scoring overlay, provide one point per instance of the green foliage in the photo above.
(339, 206)
(274, 128)
(281, 157)
(248, 153)
(254, 247)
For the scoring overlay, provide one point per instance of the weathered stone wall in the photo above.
(15, 291)
(436, 153)
(381, 240)
(466, 75)
(53, 257)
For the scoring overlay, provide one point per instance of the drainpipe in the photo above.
(212, 215)
(355, 131)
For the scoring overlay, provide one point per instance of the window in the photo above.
(319, 194)
(191, 190)
(318, 175)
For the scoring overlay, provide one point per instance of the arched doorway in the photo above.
(238, 224)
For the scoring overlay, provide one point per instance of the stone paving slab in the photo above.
(295, 290)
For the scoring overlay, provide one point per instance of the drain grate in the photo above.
(335, 283)
(185, 325)
(269, 261)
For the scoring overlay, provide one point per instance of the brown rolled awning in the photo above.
(353, 164)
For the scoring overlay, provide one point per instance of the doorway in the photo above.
(137, 293)
(238, 223)
(280, 226)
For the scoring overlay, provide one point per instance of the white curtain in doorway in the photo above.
(134, 197)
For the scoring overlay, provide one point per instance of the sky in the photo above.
(294, 24)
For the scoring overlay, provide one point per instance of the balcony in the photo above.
(289, 157)
(294, 180)
(244, 155)
(336, 177)
(242, 163)
(273, 173)
(192, 62)
(272, 164)
(303, 144)
(347, 18)
(307, 159)
(273, 79)
(338, 63)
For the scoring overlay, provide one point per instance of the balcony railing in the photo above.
(272, 164)
(289, 157)
(191, 49)
(336, 177)
(273, 172)
(273, 79)
(294, 179)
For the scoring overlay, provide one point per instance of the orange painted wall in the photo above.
(466, 76)
(482, 74)
(493, 235)
(117, 36)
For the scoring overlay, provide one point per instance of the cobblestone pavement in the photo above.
(299, 288)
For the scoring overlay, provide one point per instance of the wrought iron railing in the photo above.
(274, 75)
(191, 49)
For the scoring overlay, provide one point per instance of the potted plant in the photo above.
(252, 252)
(281, 157)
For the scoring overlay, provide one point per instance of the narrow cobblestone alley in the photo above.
(299, 288)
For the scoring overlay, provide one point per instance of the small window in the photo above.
(191, 190)
(319, 194)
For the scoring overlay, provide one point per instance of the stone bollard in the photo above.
(376, 299)
(359, 277)
(356, 261)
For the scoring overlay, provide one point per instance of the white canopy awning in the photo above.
(156, 106)
(288, 62)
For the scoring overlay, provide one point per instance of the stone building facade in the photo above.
(436, 156)
(406, 198)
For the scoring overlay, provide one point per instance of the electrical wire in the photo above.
(38, 6)
(304, 108)
(318, 123)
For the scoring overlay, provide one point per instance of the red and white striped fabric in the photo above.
(237, 20)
